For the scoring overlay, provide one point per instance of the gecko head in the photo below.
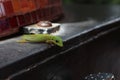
(58, 41)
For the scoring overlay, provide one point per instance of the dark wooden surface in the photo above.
(81, 24)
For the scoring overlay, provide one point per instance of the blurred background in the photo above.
(92, 1)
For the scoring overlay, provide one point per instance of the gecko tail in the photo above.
(22, 41)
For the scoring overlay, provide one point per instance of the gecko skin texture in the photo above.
(47, 38)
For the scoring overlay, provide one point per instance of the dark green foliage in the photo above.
(93, 1)
(116, 1)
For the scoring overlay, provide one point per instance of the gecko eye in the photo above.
(56, 41)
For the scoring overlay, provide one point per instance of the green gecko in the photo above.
(47, 38)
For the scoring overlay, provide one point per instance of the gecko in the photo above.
(47, 38)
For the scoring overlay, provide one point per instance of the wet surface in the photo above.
(98, 56)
